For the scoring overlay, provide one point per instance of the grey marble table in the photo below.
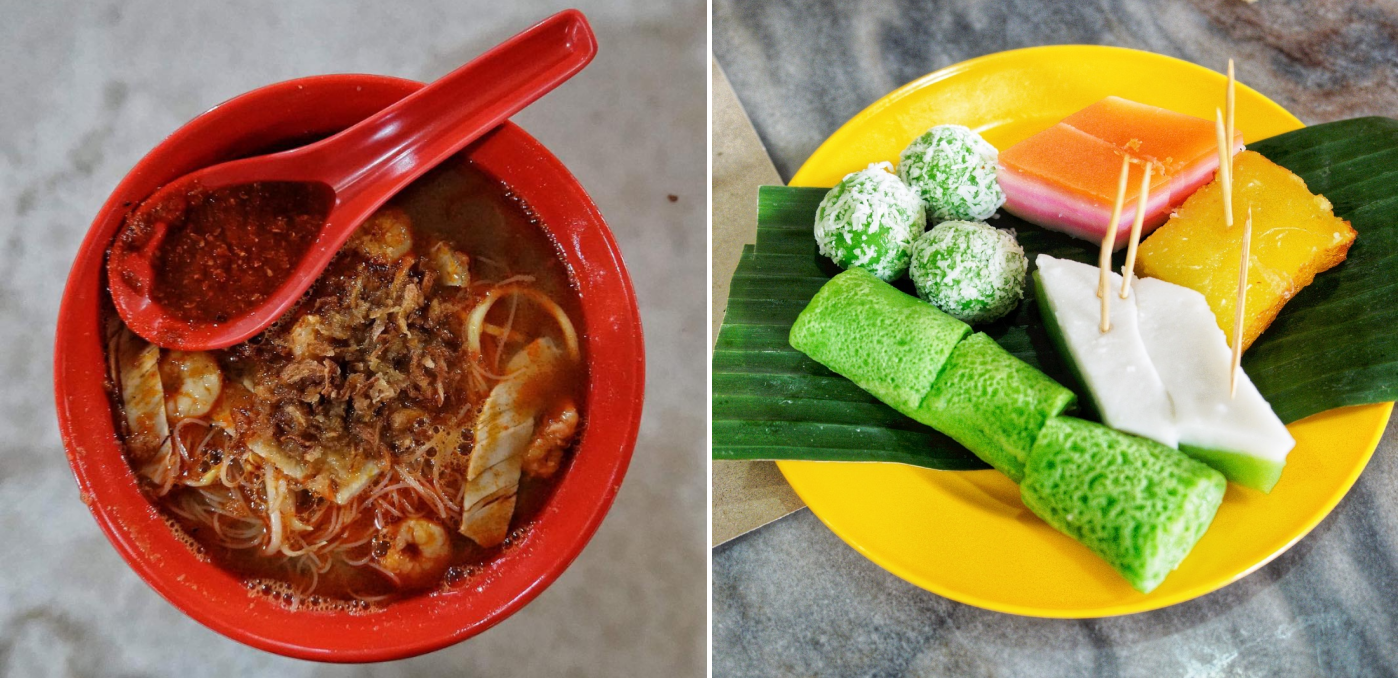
(86, 88)
(792, 599)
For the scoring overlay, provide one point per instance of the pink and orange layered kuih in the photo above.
(1065, 177)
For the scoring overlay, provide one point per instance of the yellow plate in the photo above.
(966, 535)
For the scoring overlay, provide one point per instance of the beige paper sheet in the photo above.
(747, 494)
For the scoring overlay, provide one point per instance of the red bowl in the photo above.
(300, 109)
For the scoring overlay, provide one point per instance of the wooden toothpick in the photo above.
(1126, 269)
(1228, 101)
(1104, 260)
(1224, 172)
(1242, 303)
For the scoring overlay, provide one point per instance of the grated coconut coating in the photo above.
(953, 170)
(870, 220)
(971, 270)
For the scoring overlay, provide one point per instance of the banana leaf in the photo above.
(1334, 344)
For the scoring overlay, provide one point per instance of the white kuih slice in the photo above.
(1240, 436)
(1112, 366)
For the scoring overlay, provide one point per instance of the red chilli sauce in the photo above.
(228, 249)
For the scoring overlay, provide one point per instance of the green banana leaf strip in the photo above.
(1333, 345)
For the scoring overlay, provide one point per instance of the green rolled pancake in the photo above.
(1138, 504)
(993, 403)
(888, 343)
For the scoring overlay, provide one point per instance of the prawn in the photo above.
(308, 339)
(193, 383)
(386, 236)
(453, 267)
(554, 434)
(417, 551)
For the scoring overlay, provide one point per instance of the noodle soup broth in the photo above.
(399, 427)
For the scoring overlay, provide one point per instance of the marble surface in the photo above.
(90, 86)
(801, 69)
(792, 599)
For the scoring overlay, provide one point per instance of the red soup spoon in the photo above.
(216, 256)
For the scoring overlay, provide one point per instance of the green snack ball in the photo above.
(993, 403)
(870, 220)
(886, 342)
(953, 171)
(971, 270)
(1138, 504)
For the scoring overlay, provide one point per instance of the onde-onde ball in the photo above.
(971, 270)
(953, 170)
(870, 220)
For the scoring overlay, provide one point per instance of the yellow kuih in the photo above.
(1295, 235)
